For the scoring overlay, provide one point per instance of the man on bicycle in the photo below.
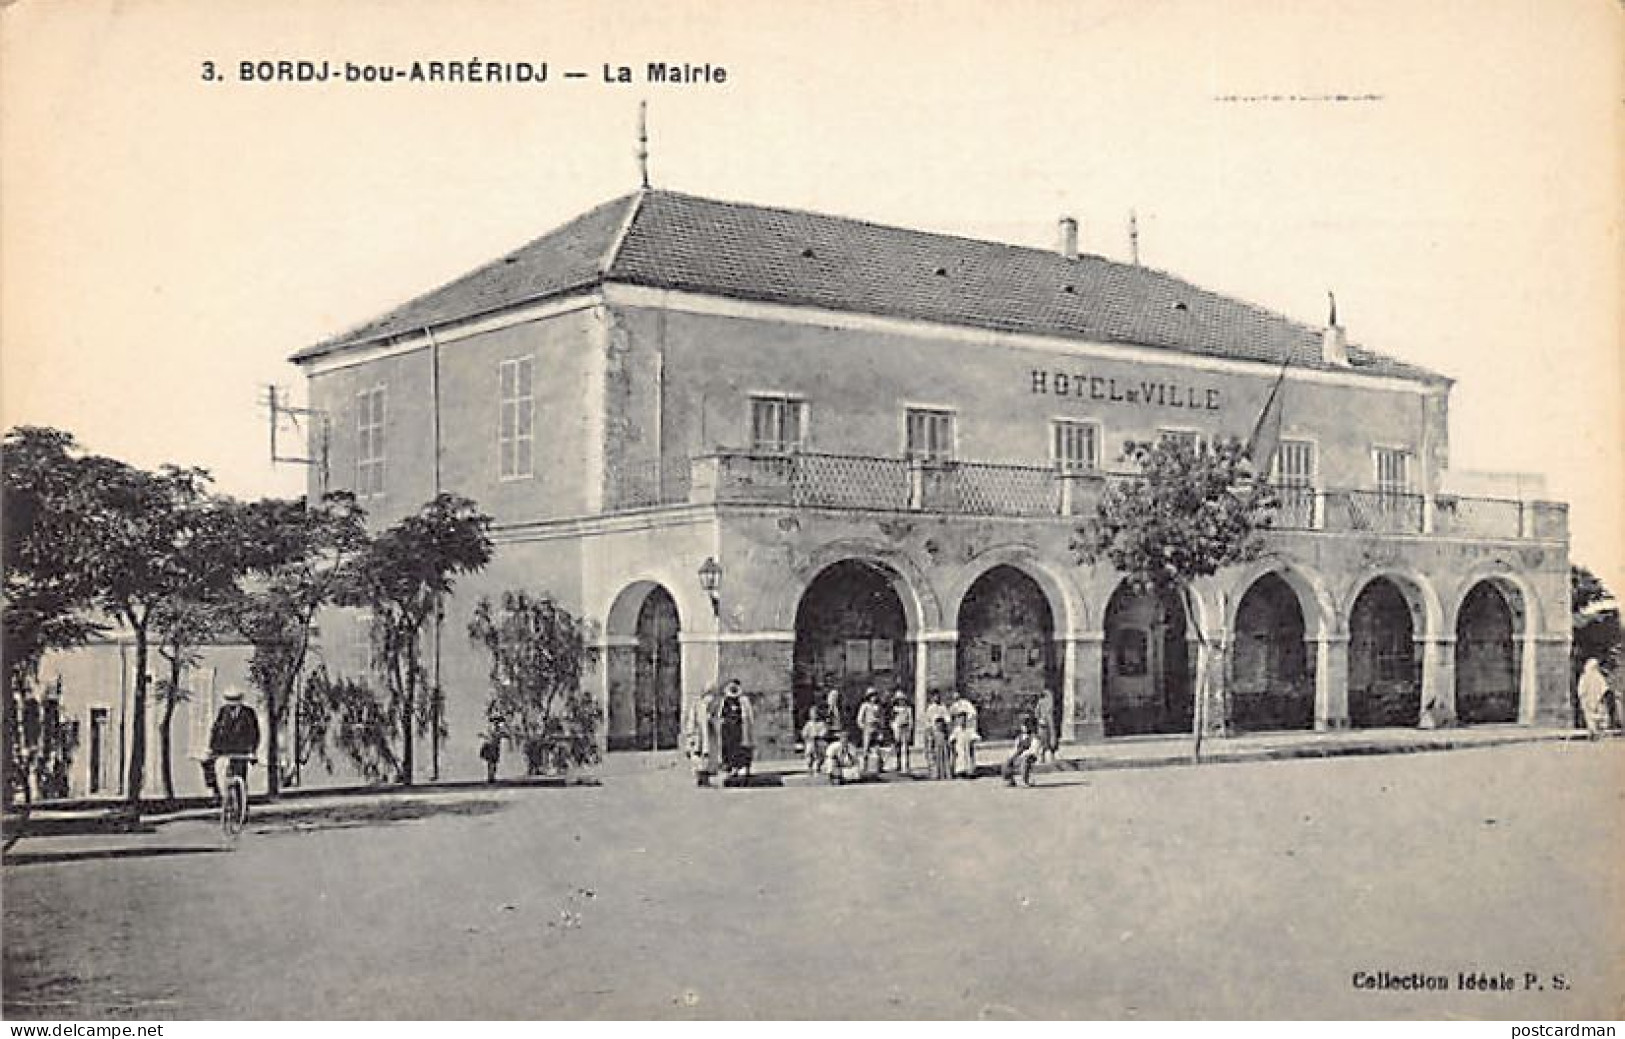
(236, 736)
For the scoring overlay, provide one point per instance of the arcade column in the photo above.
(1082, 718)
(1331, 682)
(934, 668)
(1438, 682)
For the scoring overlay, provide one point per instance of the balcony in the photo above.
(821, 481)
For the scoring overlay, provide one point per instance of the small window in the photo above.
(778, 425)
(1075, 446)
(1393, 470)
(1188, 437)
(930, 436)
(369, 455)
(516, 421)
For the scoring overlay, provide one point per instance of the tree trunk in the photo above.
(273, 765)
(138, 721)
(164, 750)
(409, 714)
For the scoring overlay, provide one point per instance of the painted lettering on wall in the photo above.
(1119, 390)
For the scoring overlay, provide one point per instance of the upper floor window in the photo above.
(516, 419)
(1295, 463)
(930, 434)
(1188, 437)
(1075, 446)
(369, 452)
(1393, 470)
(777, 424)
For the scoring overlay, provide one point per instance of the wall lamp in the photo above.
(711, 581)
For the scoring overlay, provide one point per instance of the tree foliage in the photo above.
(1191, 511)
(344, 717)
(1596, 630)
(297, 556)
(539, 653)
(401, 577)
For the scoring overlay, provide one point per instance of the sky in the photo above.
(167, 241)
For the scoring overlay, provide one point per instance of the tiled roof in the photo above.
(677, 241)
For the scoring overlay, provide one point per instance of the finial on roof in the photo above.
(1134, 237)
(1331, 298)
(643, 143)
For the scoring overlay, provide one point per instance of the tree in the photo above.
(1191, 512)
(142, 532)
(343, 715)
(297, 559)
(539, 651)
(1596, 628)
(47, 592)
(401, 577)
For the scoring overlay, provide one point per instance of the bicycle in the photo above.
(234, 797)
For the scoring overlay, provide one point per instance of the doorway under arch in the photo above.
(1005, 657)
(1272, 683)
(645, 668)
(1385, 671)
(851, 634)
(1488, 655)
(1147, 680)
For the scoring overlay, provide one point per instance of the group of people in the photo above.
(720, 735)
(951, 734)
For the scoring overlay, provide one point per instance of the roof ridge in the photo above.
(615, 243)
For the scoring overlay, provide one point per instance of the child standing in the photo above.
(902, 729)
(869, 725)
(963, 740)
(815, 735)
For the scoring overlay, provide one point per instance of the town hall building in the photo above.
(806, 452)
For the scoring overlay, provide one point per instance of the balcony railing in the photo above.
(824, 481)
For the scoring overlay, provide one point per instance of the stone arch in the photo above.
(1390, 615)
(1005, 653)
(1320, 615)
(1148, 662)
(1427, 615)
(1495, 619)
(1066, 602)
(853, 631)
(643, 668)
(1272, 677)
(921, 608)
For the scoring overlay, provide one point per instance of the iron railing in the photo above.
(827, 481)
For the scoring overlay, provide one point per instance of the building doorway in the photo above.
(1147, 682)
(851, 635)
(1005, 658)
(645, 670)
(1385, 674)
(1487, 657)
(1271, 685)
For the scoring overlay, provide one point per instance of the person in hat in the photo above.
(1025, 752)
(736, 729)
(902, 729)
(869, 726)
(841, 760)
(236, 735)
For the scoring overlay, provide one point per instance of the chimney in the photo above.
(1334, 347)
(1069, 238)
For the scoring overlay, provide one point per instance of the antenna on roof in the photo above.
(643, 142)
(1331, 299)
(1134, 237)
